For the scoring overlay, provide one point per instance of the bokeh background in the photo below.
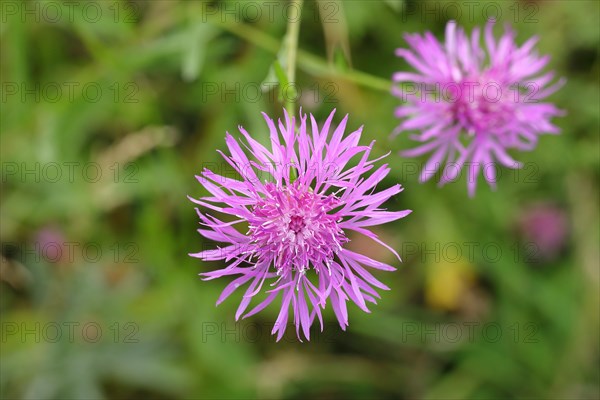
(110, 108)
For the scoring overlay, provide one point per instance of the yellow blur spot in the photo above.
(447, 283)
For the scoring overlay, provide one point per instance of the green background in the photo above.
(110, 109)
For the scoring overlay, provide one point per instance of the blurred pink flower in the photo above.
(50, 243)
(471, 106)
(545, 227)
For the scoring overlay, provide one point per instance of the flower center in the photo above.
(296, 223)
(482, 106)
(295, 228)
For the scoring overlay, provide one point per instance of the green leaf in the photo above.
(194, 51)
(395, 5)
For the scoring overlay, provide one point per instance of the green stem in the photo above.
(293, 31)
(309, 63)
(290, 96)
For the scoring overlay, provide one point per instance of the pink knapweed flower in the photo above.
(470, 106)
(293, 206)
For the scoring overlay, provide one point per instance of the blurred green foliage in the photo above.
(119, 98)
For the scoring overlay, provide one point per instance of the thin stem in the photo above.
(293, 31)
(307, 62)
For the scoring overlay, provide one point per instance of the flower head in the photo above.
(297, 201)
(544, 228)
(470, 106)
